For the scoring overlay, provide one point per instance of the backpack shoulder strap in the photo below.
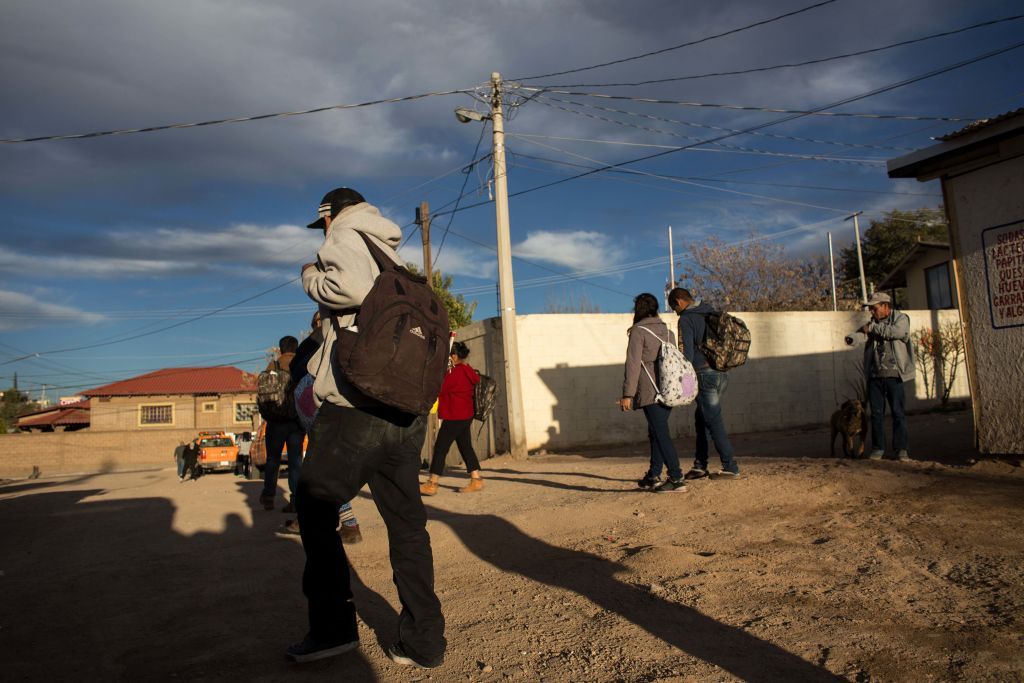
(383, 261)
(652, 332)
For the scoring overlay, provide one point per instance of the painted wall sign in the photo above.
(1004, 273)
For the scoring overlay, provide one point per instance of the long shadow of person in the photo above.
(111, 585)
(745, 656)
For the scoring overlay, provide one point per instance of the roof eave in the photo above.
(932, 162)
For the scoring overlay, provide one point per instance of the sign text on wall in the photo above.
(1004, 273)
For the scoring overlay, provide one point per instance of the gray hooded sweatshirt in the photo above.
(888, 351)
(344, 274)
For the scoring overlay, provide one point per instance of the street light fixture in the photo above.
(509, 337)
(465, 115)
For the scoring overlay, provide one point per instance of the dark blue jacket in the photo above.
(691, 333)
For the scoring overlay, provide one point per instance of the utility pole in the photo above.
(832, 269)
(860, 255)
(509, 337)
(671, 259)
(423, 220)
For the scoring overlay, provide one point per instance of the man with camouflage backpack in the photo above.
(693, 314)
(283, 429)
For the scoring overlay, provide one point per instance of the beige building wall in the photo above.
(979, 200)
(917, 290)
(209, 412)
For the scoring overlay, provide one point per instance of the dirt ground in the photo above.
(808, 569)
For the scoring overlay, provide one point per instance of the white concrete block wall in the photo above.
(799, 369)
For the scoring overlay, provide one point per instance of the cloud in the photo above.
(19, 310)
(22, 263)
(244, 250)
(577, 250)
(455, 260)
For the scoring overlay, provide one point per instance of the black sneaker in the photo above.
(290, 507)
(398, 655)
(267, 502)
(695, 473)
(310, 650)
(648, 482)
(671, 485)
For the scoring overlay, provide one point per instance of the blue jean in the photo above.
(709, 422)
(280, 434)
(663, 451)
(880, 390)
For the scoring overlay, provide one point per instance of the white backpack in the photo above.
(678, 385)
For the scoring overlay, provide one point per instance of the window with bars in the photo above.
(244, 412)
(156, 414)
(936, 282)
(210, 407)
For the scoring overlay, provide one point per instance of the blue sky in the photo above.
(113, 237)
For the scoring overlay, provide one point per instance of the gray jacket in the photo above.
(344, 274)
(893, 334)
(641, 353)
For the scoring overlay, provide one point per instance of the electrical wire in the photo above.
(742, 182)
(785, 119)
(237, 119)
(808, 62)
(681, 45)
(152, 332)
(771, 110)
(730, 149)
(462, 190)
(690, 182)
(541, 100)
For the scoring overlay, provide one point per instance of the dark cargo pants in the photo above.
(349, 447)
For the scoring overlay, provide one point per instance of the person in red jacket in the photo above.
(455, 408)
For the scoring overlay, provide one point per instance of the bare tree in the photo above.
(571, 302)
(939, 354)
(757, 276)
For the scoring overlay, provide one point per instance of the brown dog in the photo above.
(850, 420)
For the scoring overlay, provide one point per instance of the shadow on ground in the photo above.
(100, 589)
(745, 656)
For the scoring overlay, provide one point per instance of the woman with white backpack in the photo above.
(640, 389)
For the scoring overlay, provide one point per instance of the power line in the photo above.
(689, 182)
(467, 171)
(785, 119)
(237, 119)
(740, 182)
(152, 332)
(772, 110)
(542, 267)
(681, 45)
(820, 60)
(722, 149)
(542, 98)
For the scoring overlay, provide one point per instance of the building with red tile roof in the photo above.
(211, 398)
(59, 418)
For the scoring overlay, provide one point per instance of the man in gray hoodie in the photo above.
(888, 364)
(356, 440)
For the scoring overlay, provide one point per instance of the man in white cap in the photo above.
(356, 440)
(888, 364)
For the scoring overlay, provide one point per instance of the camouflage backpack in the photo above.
(273, 397)
(726, 341)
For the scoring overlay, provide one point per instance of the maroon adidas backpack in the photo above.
(399, 354)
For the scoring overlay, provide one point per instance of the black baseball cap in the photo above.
(332, 204)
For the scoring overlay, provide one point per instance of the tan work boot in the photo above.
(475, 484)
(428, 488)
